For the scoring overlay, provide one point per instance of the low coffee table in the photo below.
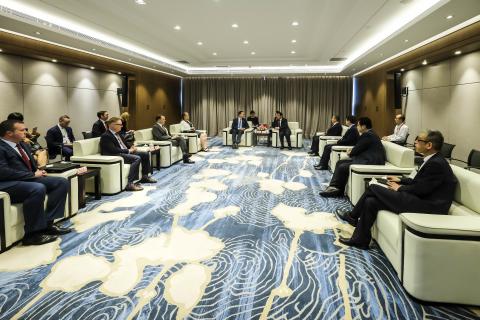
(264, 135)
(90, 173)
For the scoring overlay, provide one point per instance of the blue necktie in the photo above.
(239, 123)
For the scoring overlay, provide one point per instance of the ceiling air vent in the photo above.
(337, 59)
(183, 61)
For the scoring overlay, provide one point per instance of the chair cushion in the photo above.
(86, 147)
(468, 187)
(398, 156)
(175, 128)
(143, 135)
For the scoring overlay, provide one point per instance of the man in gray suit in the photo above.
(160, 133)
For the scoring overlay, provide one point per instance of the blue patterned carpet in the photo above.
(241, 234)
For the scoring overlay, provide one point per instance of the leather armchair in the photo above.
(192, 139)
(296, 137)
(169, 154)
(245, 141)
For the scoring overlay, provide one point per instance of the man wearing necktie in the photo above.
(25, 183)
(430, 191)
(160, 133)
(112, 144)
(239, 124)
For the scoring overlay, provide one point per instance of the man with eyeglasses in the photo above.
(430, 191)
(400, 132)
(112, 144)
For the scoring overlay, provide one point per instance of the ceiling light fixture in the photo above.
(93, 49)
(449, 17)
(406, 40)
(295, 23)
(141, 2)
(458, 52)
(177, 27)
(1, 50)
(214, 53)
(403, 69)
(200, 43)
(253, 53)
(235, 25)
(424, 62)
(92, 68)
(292, 52)
(38, 33)
(119, 72)
(54, 60)
(245, 42)
(294, 41)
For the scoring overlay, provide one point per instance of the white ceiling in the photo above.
(363, 31)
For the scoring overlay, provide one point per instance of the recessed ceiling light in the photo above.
(214, 53)
(92, 68)
(449, 17)
(234, 25)
(1, 50)
(54, 60)
(200, 43)
(295, 23)
(403, 69)
(424, 62)
(406, 40)
(292, 52)
(119, 72)
(177, 27)
(458, 52)
(38, 33)
(294, 41)
(140, 2)
(252, 53)
(93, 49)
(245, 42)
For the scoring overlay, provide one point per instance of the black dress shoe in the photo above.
(54, 230)
(282, 147)
(38, 239)
(188, 161)
(345, 216)
(289, 148)
(133, 187)
(321, 167)
(350, 243)
(331, 192)
(148, 180)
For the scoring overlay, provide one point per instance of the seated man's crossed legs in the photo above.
(180, 141)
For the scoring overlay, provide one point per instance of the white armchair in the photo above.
(169, 154)
(245, 141)
(324, 140)
(192, 139)
(11, 215)
(114, 172)
(436, 256)
(296, 137)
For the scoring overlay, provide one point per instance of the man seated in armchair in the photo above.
(430, 191)
(25, 183)
(160, 133)
(60, 139)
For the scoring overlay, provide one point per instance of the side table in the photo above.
(90, 173)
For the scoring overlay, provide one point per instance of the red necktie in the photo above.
(24, 157)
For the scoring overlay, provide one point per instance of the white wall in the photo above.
(43, 91)
(446, 97)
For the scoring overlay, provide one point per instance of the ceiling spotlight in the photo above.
(252, 53)
(214, 53)
(234, 25)
(38, 33)
(119, 72)
(294, 41)
(403, 69)
(54, 60)
(140, 2)
(449, 17)
(245, 42)
(406, 40)
(294, 23)
(424, 62)
(200, 43)
(292, 52)
(458, 52)
(177, 27)
(92, 68)
(93, 49)
(1, 50)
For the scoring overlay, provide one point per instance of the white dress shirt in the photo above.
(185, 125)
(399, 133)
(66, 139)
(13, 145)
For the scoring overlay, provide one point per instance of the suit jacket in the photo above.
(12, 167)
(159, 133)
(435, 183)
(368, 150)
(335, 130)
(350, 137)
(109, 145)
(54, 139)
(98, 128)
(284, 129)
(254, 120)
(235, 124)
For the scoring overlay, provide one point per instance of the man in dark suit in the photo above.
(100, 126)
(368, 150)
(112, 144)
(253, 118)
(334, 130)
(239, 125)
(281, 124)
(349, 139)
(25, 183)
(60, 139)
(160, 133)
(430, 191)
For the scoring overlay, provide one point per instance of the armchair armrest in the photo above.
(96, 158)
(446, 225)
(330, 137)
(5, 198)
(321, 133)
(154, 142)
(188, 134)
(379, 169)
(341, 148)
(295, 131)
(249, 129)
